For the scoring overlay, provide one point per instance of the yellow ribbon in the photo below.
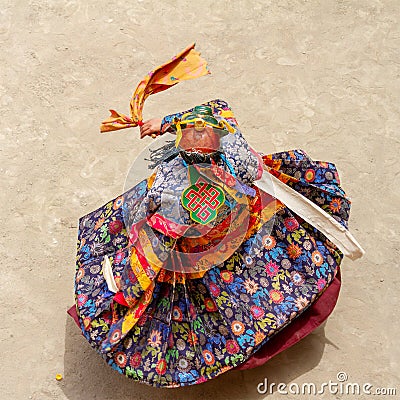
(186, 65)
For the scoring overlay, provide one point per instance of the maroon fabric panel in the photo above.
(299, 328)
(72, 312)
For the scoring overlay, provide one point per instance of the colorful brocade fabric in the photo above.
(171, 329)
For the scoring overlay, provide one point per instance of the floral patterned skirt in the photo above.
(170, 329)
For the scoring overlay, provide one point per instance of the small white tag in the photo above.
(108, 275)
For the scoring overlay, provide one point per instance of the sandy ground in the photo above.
(318, 75)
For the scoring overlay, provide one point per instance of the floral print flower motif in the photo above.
(286, 264)
(335, 205)
(328, 175)
(281, 319)
(264, 282)
(330, 259)
(309, 175)
(301, 302)
(229, 312)
(257, 312)
(280, 234)
(237, 328)
(115, 226)
(232, 347)
(99, 223)
(79, 274)
(115, 336)
(287, 288)
(269, 242)
(238, 270)
(258, 337)
(95, 269)
(309, 269)
(214, 289)
(271, 268)
(251, 286)
(82, 299)
(177, 314)
(223, 330)
(118, 202)
(128, 343)
(294, 251)
(317, 258)
(183, 364)
(121, 359)
(257, 252)
(209, 358)
(297, 278)
(180, 344)
(161, 367)
(119, 256)
(93, 335)
(248, 260)
(226, 276)
(135, 360)
(192, 338)
(97, 248)
(291, 224)
(276, 296)
(155, 338)
(321, 283)
(210, 304)
(307, 245)
(244, 298)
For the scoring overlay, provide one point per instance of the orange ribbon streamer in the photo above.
(186, 65)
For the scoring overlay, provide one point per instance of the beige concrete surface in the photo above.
(322, 76)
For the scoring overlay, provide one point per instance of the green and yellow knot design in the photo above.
(202, 199)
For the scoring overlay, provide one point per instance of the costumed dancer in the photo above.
(219, 258)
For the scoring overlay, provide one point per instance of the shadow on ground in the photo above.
(88, 377)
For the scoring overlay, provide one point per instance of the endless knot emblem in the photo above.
(202, 200)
